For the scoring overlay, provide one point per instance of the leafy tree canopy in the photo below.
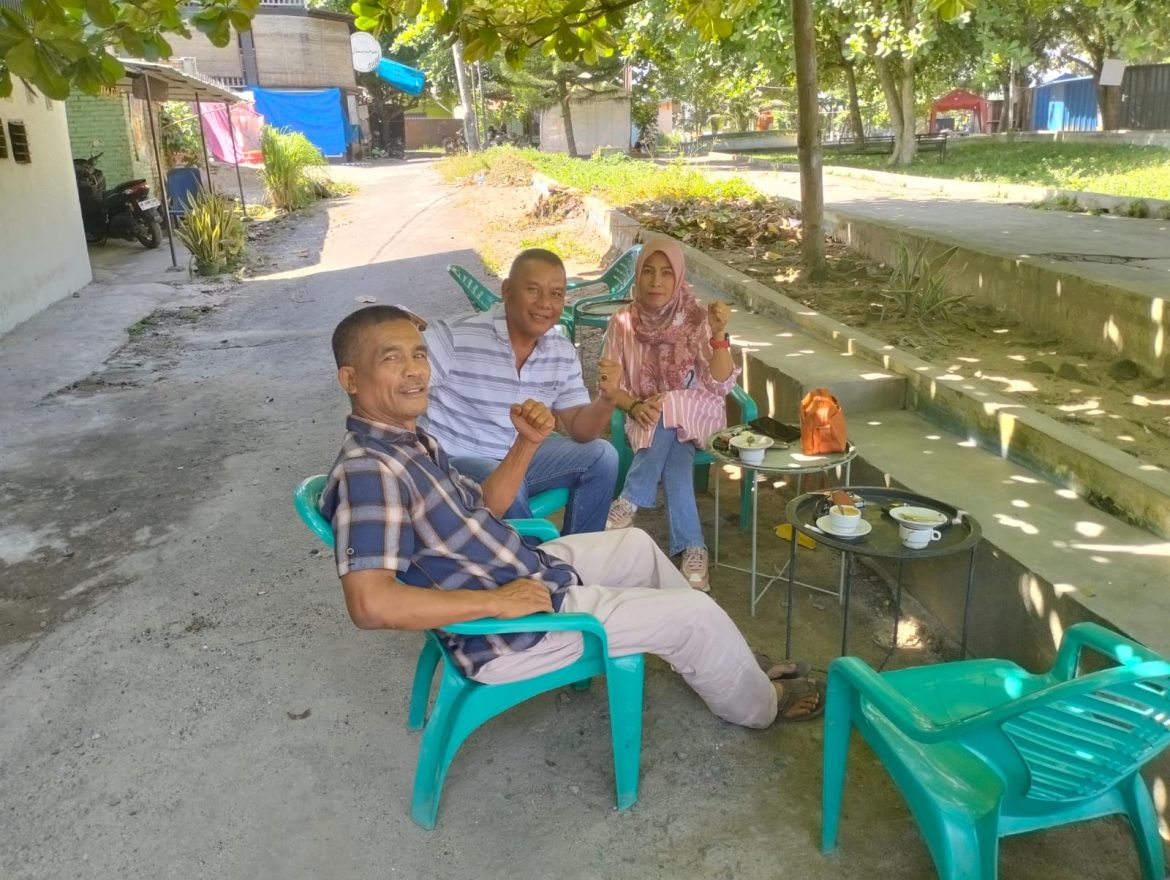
(54, 45)
(578, 30)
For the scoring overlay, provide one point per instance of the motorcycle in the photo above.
(128, 211)
(455, 143)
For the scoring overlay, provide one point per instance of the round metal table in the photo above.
(961, 532)
(779, 459)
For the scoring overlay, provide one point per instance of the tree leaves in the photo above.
(56, 45)
(578, 31)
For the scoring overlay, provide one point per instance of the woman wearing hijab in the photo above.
(667, 361)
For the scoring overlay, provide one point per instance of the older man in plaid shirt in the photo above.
(420, 546)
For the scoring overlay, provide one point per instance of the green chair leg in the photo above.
(424, 674)
(1143, 820)
(625, 720)
(445, 731)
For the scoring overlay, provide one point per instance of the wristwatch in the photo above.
(725, 342)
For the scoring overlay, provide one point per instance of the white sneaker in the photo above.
(621, 514)
(694, 568)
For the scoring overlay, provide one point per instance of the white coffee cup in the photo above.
(917, 539)
(844, 518)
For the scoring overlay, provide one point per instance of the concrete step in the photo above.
(1048, 559)
(782, 363)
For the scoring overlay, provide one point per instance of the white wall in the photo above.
(601, 121)
(42, 242)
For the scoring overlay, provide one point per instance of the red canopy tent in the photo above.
(961, 99)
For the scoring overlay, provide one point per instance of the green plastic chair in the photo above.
(619, 281)
(461, 704)
(982, 749)
(748, 411)
(483, 297)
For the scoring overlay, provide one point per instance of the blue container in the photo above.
(402, 77)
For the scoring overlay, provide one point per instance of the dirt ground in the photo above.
(1112, 401)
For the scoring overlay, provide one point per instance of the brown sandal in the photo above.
(795, 692)
(800, 668)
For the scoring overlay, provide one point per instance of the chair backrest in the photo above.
(1094, 731)
(182, 185)
(618, 278)
(306, 499)
(481, 297)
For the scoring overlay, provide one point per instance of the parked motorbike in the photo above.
(128, 211)
(455, 143)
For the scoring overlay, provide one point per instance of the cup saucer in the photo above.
(825, 524)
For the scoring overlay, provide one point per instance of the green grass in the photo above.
(1113, 169)
(615, 178)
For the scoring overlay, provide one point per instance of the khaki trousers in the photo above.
(646, 606)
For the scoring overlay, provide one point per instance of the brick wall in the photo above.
(117, 127)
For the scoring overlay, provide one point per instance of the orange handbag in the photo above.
(822, 424)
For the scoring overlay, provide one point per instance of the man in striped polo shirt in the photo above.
(482, 364)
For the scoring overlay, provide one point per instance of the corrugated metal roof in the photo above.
(180, 86)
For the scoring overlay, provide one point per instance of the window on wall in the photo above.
(3, 142)
(18, 137)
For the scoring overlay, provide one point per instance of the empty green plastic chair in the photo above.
(461, 704)
(483, 297)
(982, 749)
(619, 282)
(748, 411)
(478, 294)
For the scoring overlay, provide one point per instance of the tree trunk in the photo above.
(1005, 112)
(906, 146)
(567, 117)
(470, 128)
(890, 93)
(1109, 101)
(808, 143)
(855, 120)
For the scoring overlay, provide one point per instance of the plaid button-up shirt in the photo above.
(396, 504)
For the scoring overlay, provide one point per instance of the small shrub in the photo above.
(918, 285)
(213, 231)
(289, 158)
(1163, 213)
(1137, 208)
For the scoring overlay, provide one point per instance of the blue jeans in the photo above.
(587, 470)
(669, 461)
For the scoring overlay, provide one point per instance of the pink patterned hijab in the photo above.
(674, 334)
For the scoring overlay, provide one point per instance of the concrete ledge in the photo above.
(1049, 558)
(1119, 483)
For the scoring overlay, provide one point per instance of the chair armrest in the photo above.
(586, 624)
(748, 411)
(1105, 642)
(535, 528)
(854, 674)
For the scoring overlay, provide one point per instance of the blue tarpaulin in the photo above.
(317, 115)
(402, 77)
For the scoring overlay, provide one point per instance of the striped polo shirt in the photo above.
(474, 382)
